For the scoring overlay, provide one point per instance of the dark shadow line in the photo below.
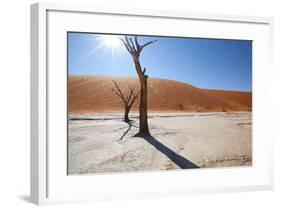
(178, 159)
(124, 134)
(125, 127)
(90, 119)
(130, 124)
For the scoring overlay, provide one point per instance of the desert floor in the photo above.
(102, 143)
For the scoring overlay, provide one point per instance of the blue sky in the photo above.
(204, 63)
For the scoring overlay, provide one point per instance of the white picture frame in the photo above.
(50, 184)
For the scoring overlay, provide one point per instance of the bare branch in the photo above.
(119, 92)
(132, 45)
(137, 43)
(130, 96)
(129, 45)
(124, 43)
(134, 98)
(144, 70)
(146, 44)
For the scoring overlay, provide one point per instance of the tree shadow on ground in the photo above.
(130, 125)
(177, 159)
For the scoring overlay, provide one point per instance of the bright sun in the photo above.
(111, 41)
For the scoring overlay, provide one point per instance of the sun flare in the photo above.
(111, 41)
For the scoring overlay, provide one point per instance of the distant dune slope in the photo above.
(94, 94)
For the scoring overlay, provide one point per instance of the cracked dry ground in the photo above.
(104, 143)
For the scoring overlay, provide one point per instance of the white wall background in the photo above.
(14, 102)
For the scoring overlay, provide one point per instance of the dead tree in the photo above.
(135, 49)
(127, 100)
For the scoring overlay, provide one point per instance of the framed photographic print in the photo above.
(136, 103)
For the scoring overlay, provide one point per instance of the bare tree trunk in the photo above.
(127, 100)
(126, 114)
(143, 130)
(134, 48)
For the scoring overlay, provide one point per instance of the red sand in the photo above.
(94, 94)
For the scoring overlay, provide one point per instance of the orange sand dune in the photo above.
(94, 94)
